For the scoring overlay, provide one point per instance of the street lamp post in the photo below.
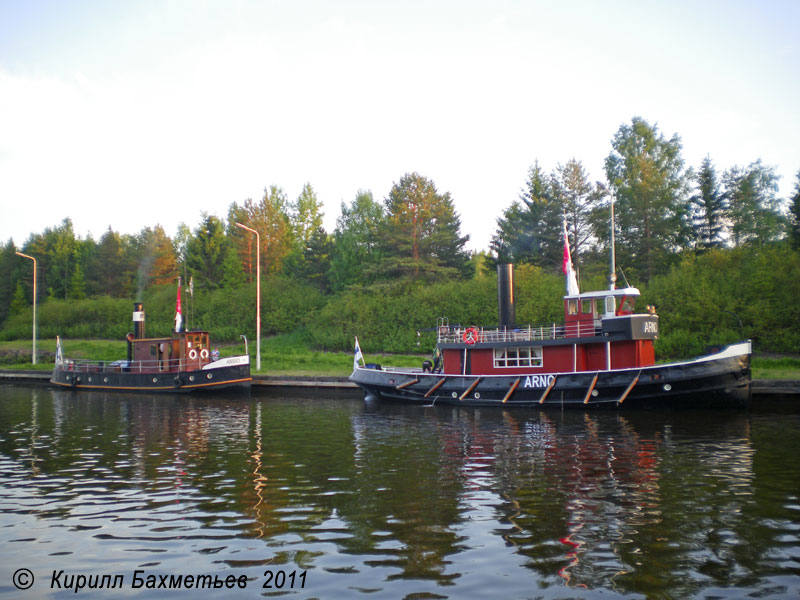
(34, 302)
(258, 293)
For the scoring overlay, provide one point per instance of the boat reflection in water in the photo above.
(392, 499)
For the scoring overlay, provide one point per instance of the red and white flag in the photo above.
(178, 315)
(569, 270)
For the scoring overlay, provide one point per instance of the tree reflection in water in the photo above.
(432, 501)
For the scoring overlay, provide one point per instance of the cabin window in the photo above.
(611, 306)
(528, 356)
(153, 350)
(572, 307)
(626, 306)
(587, 306)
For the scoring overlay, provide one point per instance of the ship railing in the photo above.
(531, 333)
(128, 366)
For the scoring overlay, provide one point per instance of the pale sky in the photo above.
(132, 113)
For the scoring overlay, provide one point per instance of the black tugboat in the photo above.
(183, 362)
(602, 355)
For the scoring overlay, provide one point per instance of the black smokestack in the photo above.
(138, 321)
(506, 314)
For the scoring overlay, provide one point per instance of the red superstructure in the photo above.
(600, 332)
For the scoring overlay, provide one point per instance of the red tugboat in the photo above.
(183, 362)
(601, 356)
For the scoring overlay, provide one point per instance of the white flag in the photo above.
(178, 313)
(357, 356)
(569, 270)
(59, 353)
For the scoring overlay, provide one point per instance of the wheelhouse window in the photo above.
(572, 307)
(528, 356)
(627, 305)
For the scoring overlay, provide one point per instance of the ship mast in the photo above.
(613, 277)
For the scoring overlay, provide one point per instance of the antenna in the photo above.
(625, 278)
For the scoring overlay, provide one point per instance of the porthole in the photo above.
(209, 375)
(595, 393)
(191, 377)
(454, 394)
(105, 379)
(477, 395)
(155, 379)
(90, 379)
(667, 387)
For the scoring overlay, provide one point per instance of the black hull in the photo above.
(236, 377)
(716, 380)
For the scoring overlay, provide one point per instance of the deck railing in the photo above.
(132, 366)
(531, 333)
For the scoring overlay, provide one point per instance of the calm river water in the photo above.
(335, 498)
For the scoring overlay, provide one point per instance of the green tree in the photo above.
(794, 215)
(356, 242)
(306, 222)
(708, 207)
(313, 264)
(270, 218)
(530, 229)
(306, 216)
(77, 284)
(577, 199)
(156, 256)
(422, 234)
(9, 279)
(205, 253)
(754, 208)
(57, 253)
(646, 173)
(232, 274)
(18, 301)
(109, 267)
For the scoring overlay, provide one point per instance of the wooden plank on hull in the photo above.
(513, 389)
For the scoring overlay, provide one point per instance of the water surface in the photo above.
(382, 501)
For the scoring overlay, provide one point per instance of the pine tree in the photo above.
(422, 235)
(530, 229)
(794, 215)
(77, 284)
(651, 189)
(577, 199)
(754, 208)
(205, 253)
(18, 300)
(708, 207)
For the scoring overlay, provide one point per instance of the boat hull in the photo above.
(229, 375)
(721, 379)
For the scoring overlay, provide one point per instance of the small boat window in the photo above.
(611, 306)
(586, 306)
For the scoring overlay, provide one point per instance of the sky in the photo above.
(127, 114)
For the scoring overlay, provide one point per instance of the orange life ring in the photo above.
(192, 354)
(471, 335)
